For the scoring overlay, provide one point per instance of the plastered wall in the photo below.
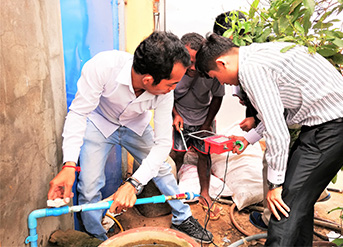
(33, 107)
(138, 22)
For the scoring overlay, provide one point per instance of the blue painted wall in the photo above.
(89, 27)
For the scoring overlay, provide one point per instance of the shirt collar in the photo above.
(124, 76)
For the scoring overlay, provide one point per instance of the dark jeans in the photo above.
(314, 160)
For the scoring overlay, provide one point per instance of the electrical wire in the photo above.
(207, 217)
(116, 221)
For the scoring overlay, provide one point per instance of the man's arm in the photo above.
(178, 120)
(86, 100)
(262, 89)
(212, 112)
(61, 185)
(159, 152)
(125, 197)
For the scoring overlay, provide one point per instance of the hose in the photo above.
(330, 225)
(46, 212)
(234, 222)
(247, 239)
(116, 221)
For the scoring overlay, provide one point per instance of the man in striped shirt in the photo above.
(288, 88)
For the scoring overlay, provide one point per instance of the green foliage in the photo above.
(338, 208)
(302, 22)
(338, 241)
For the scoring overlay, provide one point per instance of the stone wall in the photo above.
(32, 112)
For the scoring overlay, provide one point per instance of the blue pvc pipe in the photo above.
(46, 212)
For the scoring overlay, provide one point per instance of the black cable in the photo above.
(207, 217)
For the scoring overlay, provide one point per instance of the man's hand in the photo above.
(235, 150)
(125, 197)
(61, 185)
(178, 123)
(247, 124)
(275, 201)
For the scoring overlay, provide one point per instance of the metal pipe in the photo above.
(46, 212)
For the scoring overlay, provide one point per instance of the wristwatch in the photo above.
(137, 185)
(272, 186)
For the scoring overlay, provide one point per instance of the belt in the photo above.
(306, 128)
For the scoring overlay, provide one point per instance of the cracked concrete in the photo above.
(33, 108)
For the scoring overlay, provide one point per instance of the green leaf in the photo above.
(332, 33)
(309, 4)
(253, 8)
(311, 49)
(276, 27)
(238, 41)
(334, 20)
(247, 38)
(326, 14)
(294, 5)
(338, 42)
(265, 34)
(283, 9)
(228, 33)
(287, 39)
(326, 52)
(296, 14)
(247, 27)
(283, 23)
(338, 241)
(337, 59)
(299, 28)
(307, 23)
(334, 209)
(321, 25)
(283, 50)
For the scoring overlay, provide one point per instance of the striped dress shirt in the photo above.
(288, 88)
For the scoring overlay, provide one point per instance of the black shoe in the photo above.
(192, 228)
(256, 219)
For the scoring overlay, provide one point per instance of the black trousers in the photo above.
(314, 160)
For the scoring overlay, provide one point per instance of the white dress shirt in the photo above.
(106, 97)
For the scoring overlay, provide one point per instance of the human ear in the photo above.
(221, 63)
(148, 80)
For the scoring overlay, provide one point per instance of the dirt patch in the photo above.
(224, 231)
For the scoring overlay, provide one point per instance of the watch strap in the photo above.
(137, 185)
(272, 186)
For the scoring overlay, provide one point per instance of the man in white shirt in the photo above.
(115, 93)
(288, 88)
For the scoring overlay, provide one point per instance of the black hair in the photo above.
(193, 40)
(157, 54)
(213, 47)
(223, 22)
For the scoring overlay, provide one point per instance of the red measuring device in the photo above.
(216, 143)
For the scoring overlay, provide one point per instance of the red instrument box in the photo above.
(219, 144)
